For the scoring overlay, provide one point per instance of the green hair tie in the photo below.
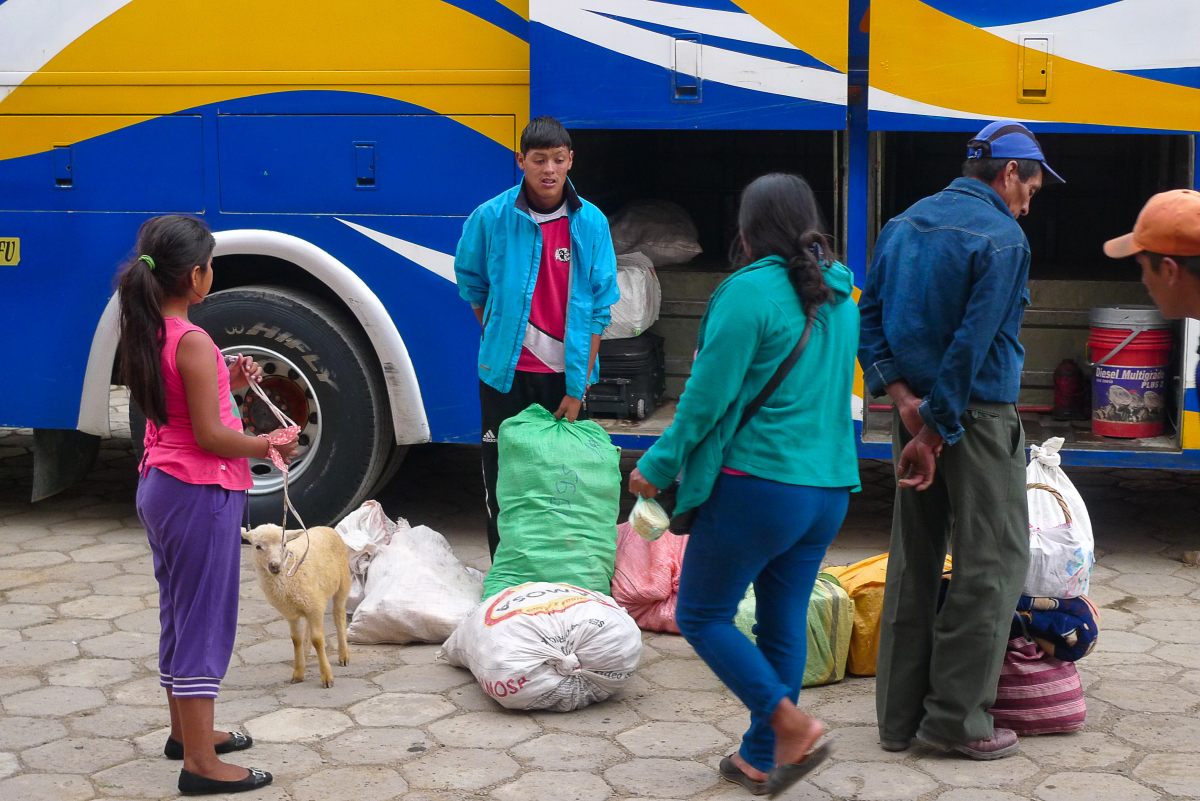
(149, 261)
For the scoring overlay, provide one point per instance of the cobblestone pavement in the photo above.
(82, 716)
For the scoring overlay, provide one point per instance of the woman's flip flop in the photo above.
(784, 776)
(732, 773)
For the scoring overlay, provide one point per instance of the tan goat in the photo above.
(323, 574)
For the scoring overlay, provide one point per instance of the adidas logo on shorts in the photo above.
(489, 436)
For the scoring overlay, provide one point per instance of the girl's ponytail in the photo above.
(167, 250)
(140, 348)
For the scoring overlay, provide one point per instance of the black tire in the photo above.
(319, 366)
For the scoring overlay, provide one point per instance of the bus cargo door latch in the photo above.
(1033, 68)
(685, 68)
(63, 176)
(364, 165)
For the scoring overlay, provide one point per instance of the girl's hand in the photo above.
(639, 486)
(287, 450)
(243, 370)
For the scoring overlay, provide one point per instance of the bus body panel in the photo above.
(370, 129)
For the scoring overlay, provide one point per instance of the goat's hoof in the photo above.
(296, 679)
(327, 683)
(343, 661)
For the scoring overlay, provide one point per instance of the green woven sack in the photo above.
(830, 621)
(559, 490)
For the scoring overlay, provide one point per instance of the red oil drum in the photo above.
(1130, 348)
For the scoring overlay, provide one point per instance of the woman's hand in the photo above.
(639, 486)
(243, 370)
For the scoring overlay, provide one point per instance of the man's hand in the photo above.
(918, 461)
(910, 415)
(569, 408)
(639, 486)
(908, 405)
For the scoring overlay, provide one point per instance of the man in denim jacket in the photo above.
(941, 313)
(537, 265)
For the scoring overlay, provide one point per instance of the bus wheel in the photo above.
(319, 369)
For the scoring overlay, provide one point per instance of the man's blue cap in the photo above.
(1005, 139)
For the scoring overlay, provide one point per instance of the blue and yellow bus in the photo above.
(335, 149)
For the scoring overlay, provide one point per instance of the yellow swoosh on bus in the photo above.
(817, 27)
(155, 57)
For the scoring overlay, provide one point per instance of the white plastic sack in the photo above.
(416, 591)
(1061, 555)
(662, 230)
(364, 531)
(641, 296)
(547, 646)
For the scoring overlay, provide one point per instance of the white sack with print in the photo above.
(547, 646)
(417, 591)
(365, 531)
(641, 297)
(1061, 554)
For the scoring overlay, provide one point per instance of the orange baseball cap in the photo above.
(1169, 224)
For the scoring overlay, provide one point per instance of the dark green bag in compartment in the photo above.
(559, 488)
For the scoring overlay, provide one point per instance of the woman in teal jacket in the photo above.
(772, 495)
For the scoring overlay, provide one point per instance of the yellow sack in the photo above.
(864, 582)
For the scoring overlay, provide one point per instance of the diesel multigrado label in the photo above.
(10, 251)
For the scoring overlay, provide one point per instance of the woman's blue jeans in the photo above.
(773, 535)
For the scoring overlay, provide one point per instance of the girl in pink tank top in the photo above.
(192, 490)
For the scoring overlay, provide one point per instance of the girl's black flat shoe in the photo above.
(191, 784)
(237, 742)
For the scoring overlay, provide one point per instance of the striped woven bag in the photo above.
(1038, 694)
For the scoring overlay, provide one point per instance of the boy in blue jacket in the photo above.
(537, 265)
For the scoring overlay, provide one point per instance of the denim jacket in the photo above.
(496, 266)
(943, 303)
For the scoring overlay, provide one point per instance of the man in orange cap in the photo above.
(1166, 244)
(1165, 241)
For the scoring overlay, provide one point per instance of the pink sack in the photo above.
(646, 579)
(1038, 694)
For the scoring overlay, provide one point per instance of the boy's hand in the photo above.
(569, 408)
(243, 370)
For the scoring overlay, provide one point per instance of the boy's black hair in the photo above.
(543, 133)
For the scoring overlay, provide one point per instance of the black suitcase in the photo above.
(632, 378)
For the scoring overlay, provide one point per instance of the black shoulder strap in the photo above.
(781, 372)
